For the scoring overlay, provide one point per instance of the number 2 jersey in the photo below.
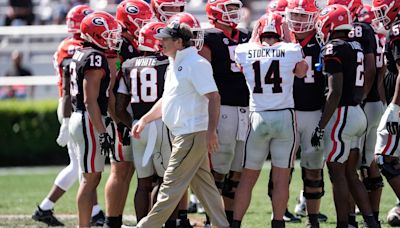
(89, 58)
(230, 82)
(143, 80)
(348, 58)
(269, 73)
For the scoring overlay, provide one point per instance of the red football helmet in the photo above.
(268, 23)
(220, 11)
(354, 6)
(101, 29)
(277, 6)
(164, 14)
(366, 15)
(386, 11)
(75, 16)
(133, 15)
(194, 24)
(332, 18)
(147, 41)
(301, 15)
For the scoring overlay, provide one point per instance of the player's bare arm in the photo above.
(381, 86)
(214, 104)
(335, 83)
(369, 72)
(396, 96)
(113, 63)
(206, 53)
(121, 103)
(91, 88)
(153, 114)
(301, 69)
(66, 99)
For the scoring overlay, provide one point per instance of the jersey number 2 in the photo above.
(146, 86)
(272, 77)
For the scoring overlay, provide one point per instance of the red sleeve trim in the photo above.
(333, 58)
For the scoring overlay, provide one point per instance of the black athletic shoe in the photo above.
(192, 207)
(184, 223)
(98, 220)
(322, 217)
(289, 217)
(46, 216)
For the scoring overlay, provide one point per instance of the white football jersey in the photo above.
(269, 73)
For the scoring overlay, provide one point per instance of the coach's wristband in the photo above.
(394, 107)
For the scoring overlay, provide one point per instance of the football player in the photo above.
(67, 177)
(342, 118)
(132, 15)
(89, 125)
(219, 47)
(387, 151)
(164, 9)
(308, 93)
(269, 67)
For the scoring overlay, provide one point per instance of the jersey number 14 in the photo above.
(272, 77)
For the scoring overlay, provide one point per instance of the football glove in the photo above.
(317, 137)
(106, 144)
(124, 134)
(392, 122)
(63, 135)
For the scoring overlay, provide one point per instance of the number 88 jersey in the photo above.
(269, 74)
(143, 80)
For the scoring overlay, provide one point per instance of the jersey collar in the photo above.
(234, 36)
(306, 40)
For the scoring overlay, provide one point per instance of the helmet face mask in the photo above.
(113, 38)
(226, 12)
(381, 16)
(164, 9)
(300, 22)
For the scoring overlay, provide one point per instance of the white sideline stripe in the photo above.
(29, 80)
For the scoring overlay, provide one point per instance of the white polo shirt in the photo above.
(188, 78)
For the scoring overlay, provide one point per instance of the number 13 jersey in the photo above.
(269, 73)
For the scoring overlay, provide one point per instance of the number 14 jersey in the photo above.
(269, 73)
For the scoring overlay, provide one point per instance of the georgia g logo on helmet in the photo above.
(159, 30)
(87, 12)
(211, 1)
(325, 11)
(98, 21)
(132, 10)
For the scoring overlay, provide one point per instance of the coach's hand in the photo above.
(138, 128)
(317, 137)
(124, 134)
(212, 141)
(392, 122)
(63, 135)
(106, 144)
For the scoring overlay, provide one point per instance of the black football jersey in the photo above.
(346, 57)
(308, 92)
(227, 75)
(82, 61)
(392, 54)
(365, 35)
(144, 78)
(127, 51)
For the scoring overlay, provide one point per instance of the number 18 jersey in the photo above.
(269, 73)
(144, 82)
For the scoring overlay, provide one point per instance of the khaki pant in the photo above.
(188, 165)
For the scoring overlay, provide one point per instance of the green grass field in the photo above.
(21, 189)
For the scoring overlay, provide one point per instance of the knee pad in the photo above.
(67, 177)
(390, 168)
(229, 185)
(313, 184)
(219, 184)
(370, 183)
